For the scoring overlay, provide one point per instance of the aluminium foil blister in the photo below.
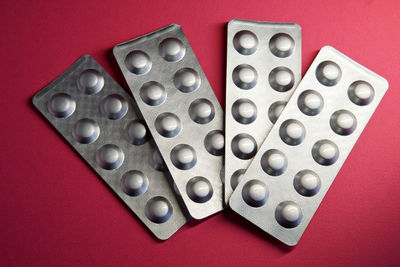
(98, 118)
(262, 71)
(307, 146)
(181, 111)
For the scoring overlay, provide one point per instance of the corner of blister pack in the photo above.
(114, 50)
(229, 204)
(175, 25)
(386, 82)
(33, 99)
(86, 56)
(232, 21)
(290, 243)
(328, 47)
(297, 26)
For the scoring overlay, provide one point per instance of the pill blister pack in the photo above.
(98, 118)
(262, 71)
(305, 149)
(181, 111)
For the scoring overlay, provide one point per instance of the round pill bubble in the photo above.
(244, 76)
(202, 111)
(361, 93)
(172, 49)
(244, 146)
(292, 132)
(183, 157)
(281, 79)
(245, 42)
(138, 62)
(325, 152)
(255, 193)
(158, 209)
(199, 189)
(244, 111)
(90, 82)
(274, 162)
(328, 73)
(187, 80)
(136, 132)
(156, 161)
(134, 183)
(236, 177)
(168, 124)
(61, 105)
(310, 102)
(275, 110)
(281, 45)
(343, 122)
(307, 183)
(215, 142)
(288, 214)
(110, 157)
(153, 93)
(86, 131)
(114, 107)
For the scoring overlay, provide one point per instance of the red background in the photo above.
(55, 211)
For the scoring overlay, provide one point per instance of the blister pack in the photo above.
(181, 111)
(98, 118)
(307, 146)
(263, 68)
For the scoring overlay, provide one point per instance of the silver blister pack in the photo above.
(181, 111)
(263, 68)
(98, 118)
(307, 146)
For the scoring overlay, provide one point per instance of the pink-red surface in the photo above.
(55, 211)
